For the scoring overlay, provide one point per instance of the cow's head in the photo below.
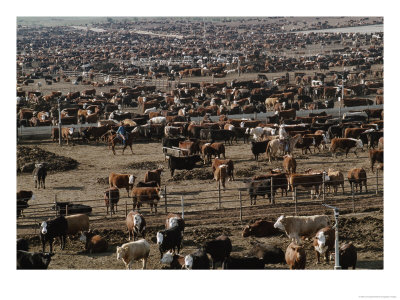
(132, 179)
(46, 258)
(189, 262)
(120, 252)
(43, 227)
(173, 222)
(359, 144)
(280, 223)
(321, 240)
(160, 238)
(137, 220)
(167, 258)
(247, 231)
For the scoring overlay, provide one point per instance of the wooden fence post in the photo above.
(219, 195)
(352, 196)
(55, 205)
(110, 202)
(183, 207)
(240, 203)
(323, 187)
(165, 198)
(272, 191)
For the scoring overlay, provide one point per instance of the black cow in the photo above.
(197, 260)
(219, 249)
(71, 208)
(33, 261)
(241, 132)
(171, 142)
(169, 239)
(182, 163)
(270, 254)
(39, 175)
(335, 131)
(258, 147)
(147, 184)
(22, 244)
(244, 263)
(51, 229)
(371, 138)
(214, 135)
(259, 188)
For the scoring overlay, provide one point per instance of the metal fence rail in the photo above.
(214, 201)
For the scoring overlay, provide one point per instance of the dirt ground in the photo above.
(364, 229)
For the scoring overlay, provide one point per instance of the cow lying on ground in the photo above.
(148, 195)
(136, 225)
(174, 261)
(260, 228)
(270, 254)
(33, 261)
(324, 243)
(197, 260)
(295, 257)
(295, 227)
(94, 243)
(121, 181)
(219, 250)
(134, 251)
(358, 177)
(69, 208)
(243, 263)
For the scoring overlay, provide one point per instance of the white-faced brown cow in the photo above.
(345, 145)
(121, 181)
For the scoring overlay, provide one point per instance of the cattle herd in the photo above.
(214, 85)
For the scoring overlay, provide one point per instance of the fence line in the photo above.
(216, 200)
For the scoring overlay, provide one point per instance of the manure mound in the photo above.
(27, 157)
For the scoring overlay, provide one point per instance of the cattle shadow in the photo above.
(97, 255)
(238, 248)
(73, 188)
(369, 264)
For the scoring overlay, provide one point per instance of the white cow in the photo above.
(158, 120)
(256, 133)
(149, 110)
(134, 251)
(301, 225)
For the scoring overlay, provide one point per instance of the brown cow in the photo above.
(353, 132)
(111, 198)
(260, 228)
(345, 144)
(289, 164)
(136, 225)
(220, 175)
(192, 147)
(94, 243)
(295, 257)
(358, 176)
(307, 181)
(375, 156)
(215, 149)
(217, 162)
(66, 134)
(154, 175)
(324, 242)
(121, 181)
(336, 178)
(149, 195)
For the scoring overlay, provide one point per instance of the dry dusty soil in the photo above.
(89, 179)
